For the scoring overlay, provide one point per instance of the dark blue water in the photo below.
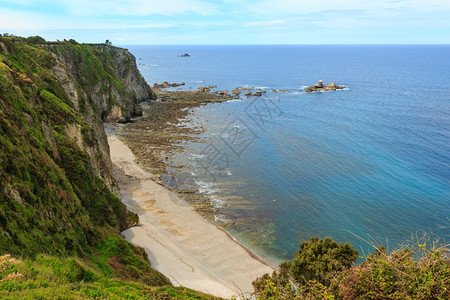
(371, 162)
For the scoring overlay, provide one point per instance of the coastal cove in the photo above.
(339, 164)
(182, 245)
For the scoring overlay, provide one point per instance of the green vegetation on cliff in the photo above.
(59, 216)
(51, 200)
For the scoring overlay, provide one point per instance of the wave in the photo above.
(222, 218)
(205, 187)
(217, 202)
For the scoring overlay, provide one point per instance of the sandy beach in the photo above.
(189, 250)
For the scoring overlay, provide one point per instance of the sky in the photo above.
(186, 22)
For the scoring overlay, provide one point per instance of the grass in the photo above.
(48, 277)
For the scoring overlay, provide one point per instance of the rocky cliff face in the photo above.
(56, 188)
(104, 84)
(109, 76)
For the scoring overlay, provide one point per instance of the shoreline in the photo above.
(178, 239)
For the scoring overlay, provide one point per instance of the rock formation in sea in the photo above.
(318, 87)
(166, 85)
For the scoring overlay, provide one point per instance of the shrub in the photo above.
(35, 40)
(399, 276)
(418, 272)
(318, 258)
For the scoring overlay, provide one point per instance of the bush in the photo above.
(399, 276)
(35, 40)
(325, 270)
(318, 258)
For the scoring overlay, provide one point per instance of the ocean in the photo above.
(368, 165)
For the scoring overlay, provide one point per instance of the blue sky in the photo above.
(169, 22)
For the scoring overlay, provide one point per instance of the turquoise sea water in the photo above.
(370, 162)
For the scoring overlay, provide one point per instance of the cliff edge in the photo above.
(56, 187)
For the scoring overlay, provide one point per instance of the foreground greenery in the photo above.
(47, 277)
(322, 269)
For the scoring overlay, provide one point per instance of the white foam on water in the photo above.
(205, 187)
(217, 202)
(194, 155)
(222, 218)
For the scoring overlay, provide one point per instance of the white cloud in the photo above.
(21, 21)
(308, 6)
(264, 23)
(137, 7)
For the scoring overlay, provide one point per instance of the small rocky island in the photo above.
(318, 87)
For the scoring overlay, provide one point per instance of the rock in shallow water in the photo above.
(320, 87)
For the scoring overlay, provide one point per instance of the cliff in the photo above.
(56, 188)
(109, 77)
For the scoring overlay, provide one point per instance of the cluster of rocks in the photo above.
(205, 89)
(237, 91)
(166, 85)
(321, 87)
(245, 90)
(255, 94)
(221, 93)
(250, 91)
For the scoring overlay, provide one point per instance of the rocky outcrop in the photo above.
(104, 84)
(318, 87)
(255, 94)
(108, 75)
(221, 93)
(205, 89)
(236, 91)
(166, 85)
